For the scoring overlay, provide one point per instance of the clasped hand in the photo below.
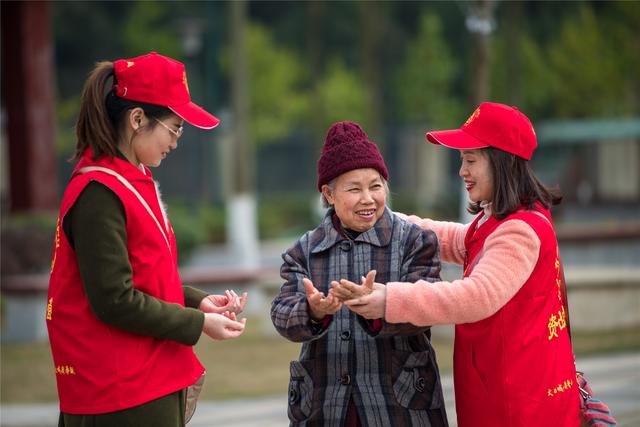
(230, 301)
(367, 299)
(220, 321)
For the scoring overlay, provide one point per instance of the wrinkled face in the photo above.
(476, 172)
(358, 198)
(152, 145)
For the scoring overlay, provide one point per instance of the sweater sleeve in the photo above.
(420, 262)
(450, 236)
(96, 226)
(507, 260)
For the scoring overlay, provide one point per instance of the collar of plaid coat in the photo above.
(378, 235)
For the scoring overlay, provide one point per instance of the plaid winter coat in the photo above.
(391, 375)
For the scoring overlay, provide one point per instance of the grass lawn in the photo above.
(253, 365)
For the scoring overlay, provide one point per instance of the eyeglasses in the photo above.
(177, 133)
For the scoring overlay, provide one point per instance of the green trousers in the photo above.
(167, 411)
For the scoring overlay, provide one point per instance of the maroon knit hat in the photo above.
(346, 148)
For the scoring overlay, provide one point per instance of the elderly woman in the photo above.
(353, 371)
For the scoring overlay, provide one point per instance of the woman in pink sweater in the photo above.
(513, 363)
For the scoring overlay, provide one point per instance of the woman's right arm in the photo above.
(508, 258)
(450, 236)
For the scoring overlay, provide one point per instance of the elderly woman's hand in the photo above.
(371, 304)
(319, 305)
(345, 290)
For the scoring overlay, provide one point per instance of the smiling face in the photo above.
(148, 140)
(475, 170)
(358, 198)
(153, 143)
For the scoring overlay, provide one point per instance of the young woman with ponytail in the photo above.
(121, 324)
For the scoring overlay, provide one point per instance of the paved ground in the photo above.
(615, 379)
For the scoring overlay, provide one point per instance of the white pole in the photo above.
(242, 233)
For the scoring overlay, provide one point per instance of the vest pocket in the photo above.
(300, 390)
(476, 369)
(416, 384)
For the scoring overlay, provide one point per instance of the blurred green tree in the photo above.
(374, 24)
(148, 28)
(424, 81)
(66, 113)
(623, 24)
(278, 99)
(342, 95)
(527, 83)
(586, 68)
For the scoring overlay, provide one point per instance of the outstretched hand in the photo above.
(319, 305)
(368, 300)
(343, 290)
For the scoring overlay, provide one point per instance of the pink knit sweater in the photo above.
(507, 260)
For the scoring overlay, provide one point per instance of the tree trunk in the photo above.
(315, 51)
(481, 61)
(243, 171)
(242, 232)
(373, 27)
(479, 22)
(28, 97)
(514, 64)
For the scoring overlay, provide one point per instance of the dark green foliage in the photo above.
(289, 215)
(310, 65)
(27, 243)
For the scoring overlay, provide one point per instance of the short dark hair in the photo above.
(514, 185)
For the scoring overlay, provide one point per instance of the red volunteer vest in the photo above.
(100, 368)
(516, 367)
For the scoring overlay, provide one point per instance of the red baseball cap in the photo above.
(156, 79)
(491, 125)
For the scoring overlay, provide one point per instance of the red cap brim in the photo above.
(196, 115)
(457, 139)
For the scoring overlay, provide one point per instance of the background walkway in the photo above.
(615, 378)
